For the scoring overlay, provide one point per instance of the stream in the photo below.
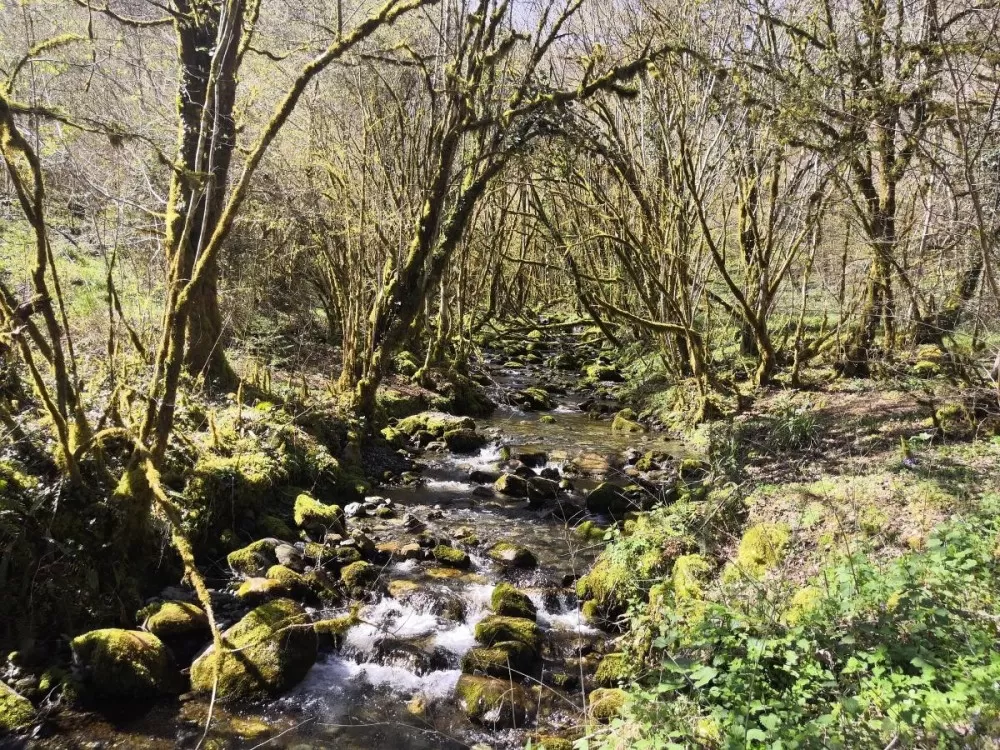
(391, 683)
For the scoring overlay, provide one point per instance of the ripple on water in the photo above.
(329, 680)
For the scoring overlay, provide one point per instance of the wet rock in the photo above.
(603, 373)
(606, 704)
(359, 577)
(290, 557)
(497, 629)
(254, 559)
(512, 555)
(533, 399)
(402, 589)
(355, 510)
(126, 664)
(533, 459)
(411, 551)
(272, 649)
(482, 492)
(16, 711)
(318, 518)
(451, 557)
(412, 524)
(176, 620)
(551, 472)
(484, 476)
(255, 591)
(511, 659)
(444, 573)
(507, 601)
(522, 470)
(464, 440)
(512, 485)
(384, 512)
(624, 421)
(492, 702)
(541, 489)
(608, 499)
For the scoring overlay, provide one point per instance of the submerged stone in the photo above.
(507, 601)
(492, 702)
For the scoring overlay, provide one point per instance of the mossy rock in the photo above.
(613, 669)
(512, 485)
(689, 575)
(403, 589)
(606, 704)
(16, 711)
(221, 490)
(405, 363)
(600, 373)
(590, 531)
(534, 399)
(623, 424)
(254, 559)
(336, 626)
(497, 629)
(548, 742)
(608, 499)
(359, 578)
(176, 620)
(272, 649)
(547, 419)
(396, 404)
(323, 585)
(464, 440)
(492, 702)
(287, 576)
(507, 601)
(126, 664)
(512, 555)
(255, 591)
(272, 526)
(511, 659)
(318, 518)
(395, 438)
(436, 423)
(451, 557)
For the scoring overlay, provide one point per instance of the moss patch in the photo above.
(496, 629)
(512, 555)
(316, 517)
(176, 619)
(452, 557)
(492, 702)
(15, 710)
(503, 659)
(507, 601)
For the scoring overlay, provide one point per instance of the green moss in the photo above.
(172, 619)
(512, 555)
(285, 575)
(547, 419)
(496, 629)
(270, 651)
(450, 556)
(273, 526)
(534, 399)
(126, 664)
(15, 710)
(435, 423)
(613, 669)
(337, 626)
(511, 485)
(803, 602)
(590, 532)
(624, 421)
(254, 591)
(254, 559)
(762, 547)
(464, 440)
(359, 577)
(606, 704)
(395, 438)
(316, 517)
(503, 659)
(507, 601)
(689, 573)
(494, 702)
(548, 742)
(399, 404)
(222, 489)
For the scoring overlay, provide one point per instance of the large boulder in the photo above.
(15, 710)
(512, 486)
(507, 601)
(464, 440)
(496, 629)
(608, 499)
(126, 664)
(512, 555)
(492, 702)
(177, 620)
(541, 489)
(318, 518)
(269, 651)
(358, 578)
(254, 559)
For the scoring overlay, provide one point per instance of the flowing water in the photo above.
(408, 651)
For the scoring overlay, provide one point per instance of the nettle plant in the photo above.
(869, 654)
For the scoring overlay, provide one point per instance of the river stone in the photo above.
(607, 499)
(534, 459)
(541, 489)
(522, 470)
(492, 702)
(355, 510)
(318, 518)
(254, 591)
(484, 476)
(15, 710)
(254, 559)
(613, 670)
(290, 557)
(412, 551)
(496, 629)
(359, 577)
(512, 555)
(450, 556)
(126, 664)
(509, 602)
(503, 659)
(464, 440)
(512, 486)
(273, 648)
(177, 620)
(551, 472)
